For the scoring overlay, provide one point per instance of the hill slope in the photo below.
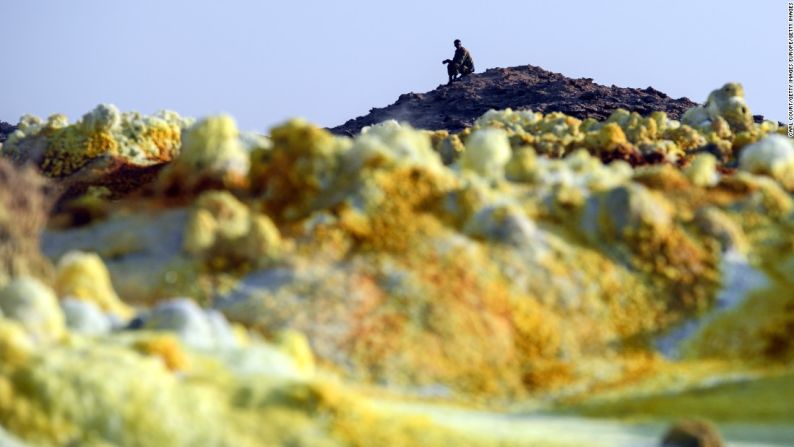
(456, 106)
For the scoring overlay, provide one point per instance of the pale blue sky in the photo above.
(328, 61)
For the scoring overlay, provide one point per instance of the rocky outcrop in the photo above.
(456, 106)
(5, 130)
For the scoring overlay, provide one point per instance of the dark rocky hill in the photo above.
(456, 106)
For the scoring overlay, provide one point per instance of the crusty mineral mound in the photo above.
(693, 433)
(634, 267)
(454, 107)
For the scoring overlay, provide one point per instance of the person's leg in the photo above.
(451, 71)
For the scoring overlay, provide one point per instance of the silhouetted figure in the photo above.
(461, 64)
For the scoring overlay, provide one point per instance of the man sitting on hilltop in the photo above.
(461, 63)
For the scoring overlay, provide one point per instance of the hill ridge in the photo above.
(456, 106)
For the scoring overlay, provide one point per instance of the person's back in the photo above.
(466, 63)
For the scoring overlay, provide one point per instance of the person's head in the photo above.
(457, 43)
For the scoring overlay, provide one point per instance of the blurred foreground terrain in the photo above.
(523, 271)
